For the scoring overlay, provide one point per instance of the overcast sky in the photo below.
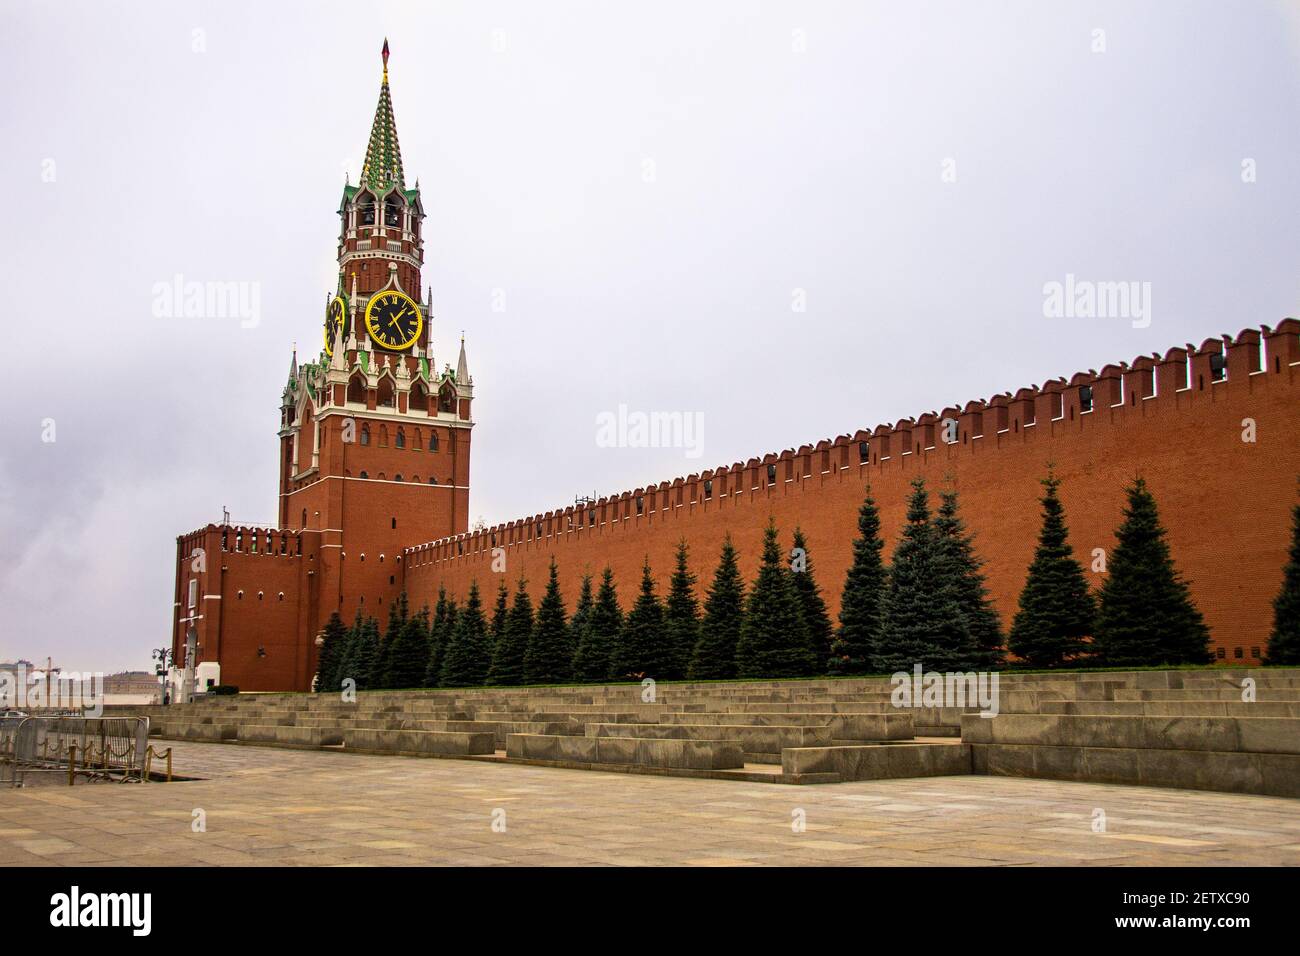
(649, 189)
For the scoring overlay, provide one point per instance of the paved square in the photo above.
(265, 806)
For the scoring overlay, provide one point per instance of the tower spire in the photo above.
(462, 366)
(383, 164)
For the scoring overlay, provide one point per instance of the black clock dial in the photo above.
(393, 320)
(335, 315)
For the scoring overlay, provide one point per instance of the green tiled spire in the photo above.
(383, 166)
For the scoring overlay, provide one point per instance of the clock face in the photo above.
(393, 320)
(334, 316)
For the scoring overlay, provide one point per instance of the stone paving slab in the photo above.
(266, 807)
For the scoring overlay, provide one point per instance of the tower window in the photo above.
(397, 477)
(433, 481)
(771, 474)
(864, 452)
(640, 505)
(1085, 398)
(364, 475)
(708, 489)
(433, 441)
(401, 439)
(365, 436)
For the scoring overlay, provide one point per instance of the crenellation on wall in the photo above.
(1007, 415)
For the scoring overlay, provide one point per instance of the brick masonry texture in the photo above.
(1225, 502)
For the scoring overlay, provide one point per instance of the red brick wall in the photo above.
(1225, 503)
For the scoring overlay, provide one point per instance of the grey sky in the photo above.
(529, 126)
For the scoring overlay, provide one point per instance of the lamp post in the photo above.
(163, 655)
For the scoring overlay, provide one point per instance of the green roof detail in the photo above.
(383, 166)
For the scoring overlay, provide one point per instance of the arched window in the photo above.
(364, 475)
(304, 518)
(400, 441)
(419, 400)
(432, 480)
(357, 389)
(447, 399)
(397, 477)
(392, 211)
(365, 434)
(366, 209)
(387, 393)
(433, 441)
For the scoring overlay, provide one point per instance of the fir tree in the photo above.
(365, 661)
(347, 660)
(598, 641)
(640, 646)
(499, 615)
(773, 638)
(982, 620)
(681, 618)
(714, 657)
(857, 642)
(816, 618)
(924, 623)
(333, 647)
(439, 632)
(466, 660)
(410, 657)
(1057, 611)
(1284, 641)
(1147, 614)
(398, 613)
(438, 648)
(549, 658)
(581, 615)
(508, 660)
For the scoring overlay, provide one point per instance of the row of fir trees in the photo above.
(929, 605)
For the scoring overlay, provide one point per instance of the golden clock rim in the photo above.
(419, 318)
(342, 299)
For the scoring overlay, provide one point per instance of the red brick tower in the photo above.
(374, 438)
(374, 454)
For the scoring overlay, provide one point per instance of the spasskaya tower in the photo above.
(374, 451)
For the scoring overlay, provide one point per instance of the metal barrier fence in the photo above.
(106, 748)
